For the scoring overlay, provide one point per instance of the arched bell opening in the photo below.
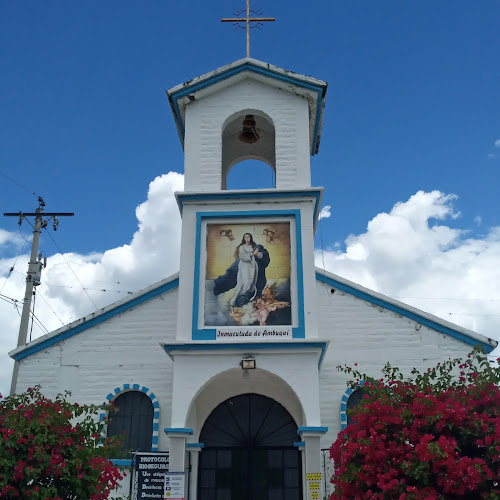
(251, 174)
(249, 451)
(248, 135)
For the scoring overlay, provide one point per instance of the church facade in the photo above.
(230, 365)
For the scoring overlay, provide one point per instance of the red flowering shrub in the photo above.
(435, 435)
(51, 450)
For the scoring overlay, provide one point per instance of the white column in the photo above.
(194, 453)
(311, 436)
(177, 449)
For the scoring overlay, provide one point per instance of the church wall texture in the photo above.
(124, 349)
(371, 336)
(204, 124)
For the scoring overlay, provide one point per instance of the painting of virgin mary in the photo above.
(253, 287)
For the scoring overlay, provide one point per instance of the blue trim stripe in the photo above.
(210, 333)
(154, 400)
(178, 430)
(184, 197)
(96, 320)
(297, 444)
(195, 445)
(343, 404)
(248, 66)
(319, 430)
(248, 346)
(403, 312)
(121, 462)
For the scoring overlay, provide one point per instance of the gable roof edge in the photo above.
(426, 319)
(95, 318)
(179, 95)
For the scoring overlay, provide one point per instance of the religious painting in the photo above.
(247, 276)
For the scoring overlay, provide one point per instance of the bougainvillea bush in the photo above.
(435, 435)
(52, 450)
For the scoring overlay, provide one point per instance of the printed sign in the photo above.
(255, 333)
(174, 486)
(313, 476)
(149, 475)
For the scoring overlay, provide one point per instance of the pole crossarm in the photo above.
(34, 214)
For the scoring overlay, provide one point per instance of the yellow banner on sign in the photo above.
(314, 486)
(313, 476)
(314, 495)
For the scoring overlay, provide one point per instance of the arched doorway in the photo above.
(249, 452)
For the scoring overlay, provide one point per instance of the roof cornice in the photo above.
(426, 319)
(311, 88)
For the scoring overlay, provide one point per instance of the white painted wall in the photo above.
(204, 122)
(370, 336)
(125, 349)
(207, 379)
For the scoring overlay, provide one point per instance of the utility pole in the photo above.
(35, 267)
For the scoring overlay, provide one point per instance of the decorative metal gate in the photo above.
(327, 472)
(249, 452)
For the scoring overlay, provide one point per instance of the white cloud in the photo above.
(9, 238)
(408, 252)
(497, 143)
(407, 255)
(325, 212)
(152, 254)
(478, 220)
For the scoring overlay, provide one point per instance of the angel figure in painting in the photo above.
(247, 274)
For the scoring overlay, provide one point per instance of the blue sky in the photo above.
(413, 104)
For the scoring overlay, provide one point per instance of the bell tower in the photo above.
(248, 110)
(247, 284)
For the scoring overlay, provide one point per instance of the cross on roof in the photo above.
(248, 20)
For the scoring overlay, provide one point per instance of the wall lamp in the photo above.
(248, 364)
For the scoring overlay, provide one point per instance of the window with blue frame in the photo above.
(353, 401)
(133, 418)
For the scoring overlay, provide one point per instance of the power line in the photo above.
(78, 279)
(18, 184)
(48, 305)
(92, 289)
(13, 266)
(22, 235)
(450, 298)
(8, 299)
(466, 314)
